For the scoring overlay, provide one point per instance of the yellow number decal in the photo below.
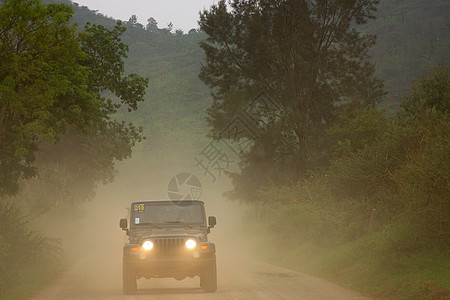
(139, 208)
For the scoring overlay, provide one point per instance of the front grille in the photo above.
(167, 247)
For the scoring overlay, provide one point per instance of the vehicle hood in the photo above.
(145, 233)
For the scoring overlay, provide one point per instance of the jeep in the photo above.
(168, 239)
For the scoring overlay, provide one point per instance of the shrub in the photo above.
(21, 249)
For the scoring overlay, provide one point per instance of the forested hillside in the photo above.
(172, 59)
(173, 114)
(411, 37)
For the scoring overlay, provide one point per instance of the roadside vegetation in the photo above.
(378, 218)
(24, 253)
(339, 187)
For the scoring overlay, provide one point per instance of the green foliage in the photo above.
(423, 182)
(306, 57)
(21, 250)
(430, 92)
(105, 53)
(53, 78)
(404, 173)
(356, 129)
(84, 15)
(59, 90)
(70, 170)
(38, 79)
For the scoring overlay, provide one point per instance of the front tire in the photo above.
(129, 279)
(208, 278)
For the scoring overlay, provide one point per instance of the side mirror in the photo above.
(212, 221)
(123, 224)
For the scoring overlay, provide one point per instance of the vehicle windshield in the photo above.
(167, 213)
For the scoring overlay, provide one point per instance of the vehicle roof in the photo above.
(177, 201)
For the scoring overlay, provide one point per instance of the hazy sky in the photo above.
(182, 13)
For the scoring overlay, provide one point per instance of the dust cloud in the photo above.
(93, 243)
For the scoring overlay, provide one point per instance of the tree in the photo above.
(105, 52)
(170, 26)
(302, 59)
(152, 25)
(168, 30)
(431, 91)
(133, 21)
(52, 79)
(39, 78)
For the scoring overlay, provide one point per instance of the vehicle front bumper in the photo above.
(190, 263)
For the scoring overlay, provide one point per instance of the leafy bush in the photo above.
(21, 250)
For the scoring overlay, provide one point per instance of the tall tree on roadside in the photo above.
(52, 79)
(39, 79)
(306, 58)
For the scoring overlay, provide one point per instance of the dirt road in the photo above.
(98, 276)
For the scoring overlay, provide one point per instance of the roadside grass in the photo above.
(372, 264)
(28, 261)
(31, 280)
(371, 267)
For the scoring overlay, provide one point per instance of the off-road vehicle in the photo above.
(168, 238)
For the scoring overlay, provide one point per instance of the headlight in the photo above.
(147, 245)
(191, 243)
